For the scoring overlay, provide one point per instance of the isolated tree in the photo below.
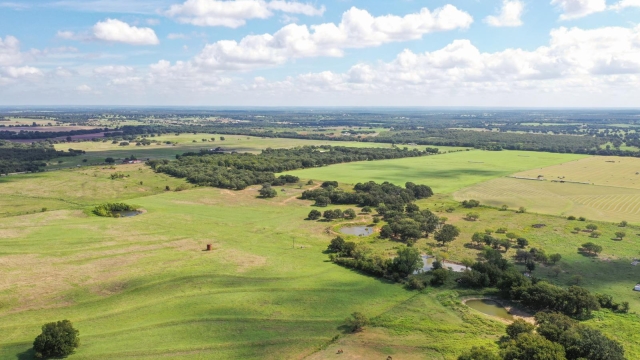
(473, 216)
(620, 235)
(337, 245)
(592, 227)
(267, 191)
(310, 182)
(58, 339)
(623, 224)
(592, 248)
(314, 215)
(530, 265)
(470, 203)
(366, 210)
(519, 327)
(477, 238)
(521, 210)
(329, 214)
(357, 321)
(350, 214)
(511, 236)
(504, 208)
(577, 229)
(522, 242)
(109, 160)
(554, 258)
(407, 261)
(596, 234)
(447, 234)
(488, 231)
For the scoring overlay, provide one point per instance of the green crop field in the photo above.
(444, 173)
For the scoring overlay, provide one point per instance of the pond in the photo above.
(428, 264)
(357, 230)
(126, 213)
(490, 307)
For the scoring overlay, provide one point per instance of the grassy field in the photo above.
(444, 173)
(98, 151)
(143, 288)
(591, 201)
(597, 170)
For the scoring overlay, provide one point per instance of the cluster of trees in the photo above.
(359, 257)
(385, 196)
(554, 337)
(40, 135)
(16, 157)
(237, 171)
(112, 209)
(533, 293)
(334, 214)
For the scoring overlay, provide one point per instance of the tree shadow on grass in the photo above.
(26, 355)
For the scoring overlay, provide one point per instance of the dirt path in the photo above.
(291, 198)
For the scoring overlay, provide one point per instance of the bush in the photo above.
(470, 203)
(314, 215)
(111, 209)
(57, 339)
(582, 218)
(571, 217)
(439, 276)
(357, 321)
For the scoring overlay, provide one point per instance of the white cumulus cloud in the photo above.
(358, 29)
(623, 4)
(235, 13)
(113, 30)
(510, 14)
(111, 70)
(573, 9)
(10, 51)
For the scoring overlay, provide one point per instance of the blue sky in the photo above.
(545, 53)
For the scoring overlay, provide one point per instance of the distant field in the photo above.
(591, 201)
(598, 170)
(98, 151)
(444, 173)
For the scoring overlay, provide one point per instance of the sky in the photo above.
(481, 53)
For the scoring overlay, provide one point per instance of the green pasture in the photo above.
(444, 173)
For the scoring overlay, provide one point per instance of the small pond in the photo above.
(490, 307)
(357, 230)
(428, 264)
(126, 213)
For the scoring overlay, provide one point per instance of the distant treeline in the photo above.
(28, 158)
(237, 171)
(27, 135)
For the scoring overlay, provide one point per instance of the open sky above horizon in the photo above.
(506, 53)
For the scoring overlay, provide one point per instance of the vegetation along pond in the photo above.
(490, 307)
(357, 230)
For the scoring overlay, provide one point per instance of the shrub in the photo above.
(357, 321)
(57, 339)
(623, 224)
(470, 204)
(111, 209)
(582, 218)
(571, 217)
(501, 230)
(314, 215)
(439, 276)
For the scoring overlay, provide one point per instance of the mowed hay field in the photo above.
(445, 173)
(597, 170)
(603, 188)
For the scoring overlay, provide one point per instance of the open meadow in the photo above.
(143, 287)
(445, 173)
